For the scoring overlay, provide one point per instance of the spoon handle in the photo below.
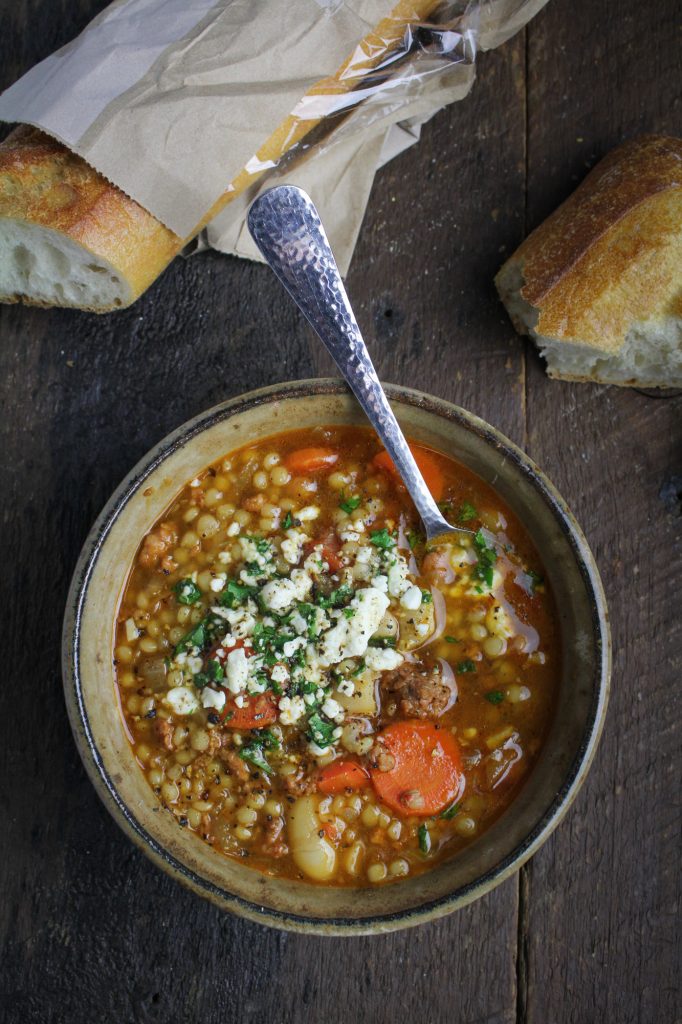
(289, 233)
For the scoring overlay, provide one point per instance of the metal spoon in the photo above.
(288, 231)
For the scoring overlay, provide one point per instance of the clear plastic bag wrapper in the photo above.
(192, 107)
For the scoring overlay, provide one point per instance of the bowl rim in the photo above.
(106, 787)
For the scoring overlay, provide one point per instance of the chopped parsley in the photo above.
(451, 811)
(414, 539)
(465, 666)
(253, 751)
(288, 521)
(337, 598)
(197, 637)
(234, 594)
(350, 504)
(382, 641)
(466, 513)
(320, 730)
(427, 597)
(349, 613)
(452, 640)
(494, 696)
(424, 839)
(487, 556)
(382, 539)
(361, 668)
(186, 591)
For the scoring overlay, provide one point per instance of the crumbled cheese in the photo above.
(412, 598)
(218, 582)
(291, 709)
(346, 687)
(308, 513)
(212, 698)
(233, 530)
(422, 628)
(318, 751)
(397, 577)
(181, 700)
(279, 594)
(292, 546)
(381, 583)
(302, 582)
(365, 555)
(332, 709)
(132, 632)
(224, 557)
(194, 664)
(236, 670)
(241, 619)
(299, 623)
(349, 637)
(291, 646)
(315, 563)
(280, 674)
(382, 659)
(350, 535)
(240, 700)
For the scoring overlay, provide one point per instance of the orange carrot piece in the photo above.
(311, 460)
(258, 712)
(428, 466)
(427, 773)
(342, 775)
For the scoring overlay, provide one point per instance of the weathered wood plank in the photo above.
(89, 929)
(599, 905)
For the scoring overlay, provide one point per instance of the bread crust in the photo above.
(610, 255)
(44, 183)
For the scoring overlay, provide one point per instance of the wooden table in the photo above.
(92, 932)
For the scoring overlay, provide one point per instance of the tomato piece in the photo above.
(428, 467)
(311, 460)
(427, 772)
(259, 711)
(330, 545)
(342, 775)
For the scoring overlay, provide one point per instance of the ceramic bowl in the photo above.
(97, 723)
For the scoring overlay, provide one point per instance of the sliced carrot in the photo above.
(258, 712)
(311, 460)
(342, 775)
(428, 466)
(427, 773)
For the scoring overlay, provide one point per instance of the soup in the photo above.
(308, 687)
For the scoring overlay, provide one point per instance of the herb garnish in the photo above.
(288, 521)
(319, 730)
(451, 811)
(186, 591)
(467, 512)
(382, 539)
(487, 556)
(337, 597)
(424, 839)
(494, 696)
(465, 666)
(234, 593)
(350, 504)
(452, 640)
(253, 752)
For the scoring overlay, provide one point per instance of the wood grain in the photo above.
(601, 897)
(90, 931)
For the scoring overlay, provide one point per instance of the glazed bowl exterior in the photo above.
(97, 722)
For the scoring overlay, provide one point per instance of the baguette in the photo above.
(598, 285)
(68, 237)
